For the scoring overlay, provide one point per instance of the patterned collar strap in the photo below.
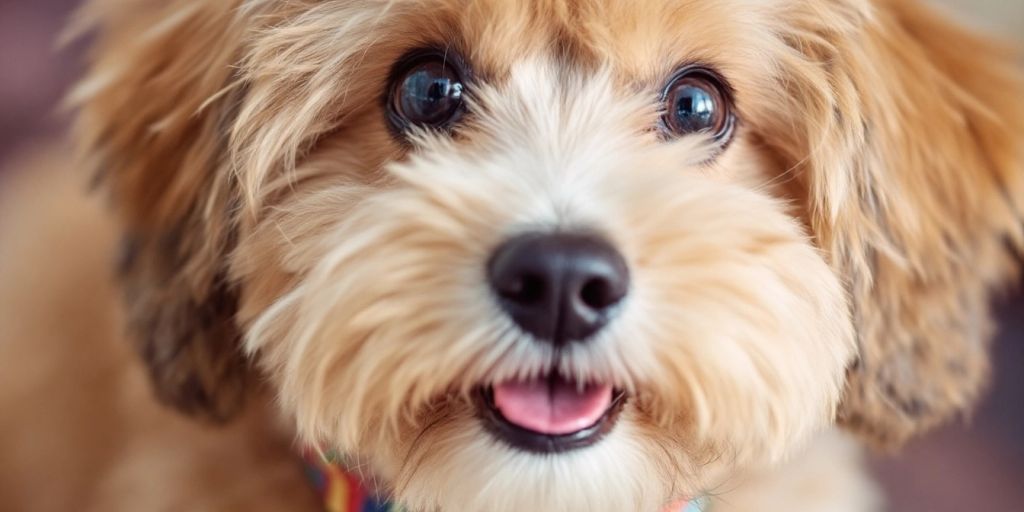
(343, 492)
(698, 505)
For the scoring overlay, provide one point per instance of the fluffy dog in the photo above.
(553, 255)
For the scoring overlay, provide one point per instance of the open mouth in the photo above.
(549, 414)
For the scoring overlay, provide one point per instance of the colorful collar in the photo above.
(341, 490)
(344, 492)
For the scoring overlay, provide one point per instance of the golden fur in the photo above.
(81, 430)
(834, 263)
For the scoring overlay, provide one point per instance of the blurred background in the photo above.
(975, 465)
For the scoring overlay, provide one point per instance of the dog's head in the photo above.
(606, 251)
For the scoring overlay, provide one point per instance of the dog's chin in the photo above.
(550, 413)
(597, 454)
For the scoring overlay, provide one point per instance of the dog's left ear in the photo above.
(915, 191)
(152, 127)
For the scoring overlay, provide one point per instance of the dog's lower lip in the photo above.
(539, 442)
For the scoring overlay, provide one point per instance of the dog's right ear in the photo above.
(151, 125)
(914, 146)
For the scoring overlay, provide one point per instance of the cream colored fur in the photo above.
(292, 268)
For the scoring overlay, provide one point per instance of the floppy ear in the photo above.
(152, 128)
(915, 190)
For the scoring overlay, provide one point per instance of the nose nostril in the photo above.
(597, 294)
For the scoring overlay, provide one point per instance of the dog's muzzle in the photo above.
(560, 288)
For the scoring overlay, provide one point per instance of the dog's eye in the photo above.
(697, 101)
(427, 92)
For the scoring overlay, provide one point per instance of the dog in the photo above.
(505, 255)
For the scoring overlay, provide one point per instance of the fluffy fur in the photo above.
(833, 263)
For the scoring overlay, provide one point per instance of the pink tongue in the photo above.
(552, 407)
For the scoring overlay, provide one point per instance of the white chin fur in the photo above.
(464, 468)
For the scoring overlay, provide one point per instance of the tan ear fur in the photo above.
(149, 125)
(915, 187)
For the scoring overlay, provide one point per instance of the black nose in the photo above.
(559, 287)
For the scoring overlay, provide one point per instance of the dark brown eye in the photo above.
(697, 101)
(427, 91)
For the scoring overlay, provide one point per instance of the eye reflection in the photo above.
(427, 91)
(697, 101)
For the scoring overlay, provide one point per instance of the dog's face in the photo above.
(605, 251)
(544, 260)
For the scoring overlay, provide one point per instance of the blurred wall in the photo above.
(1005, 17)
(34, 73)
